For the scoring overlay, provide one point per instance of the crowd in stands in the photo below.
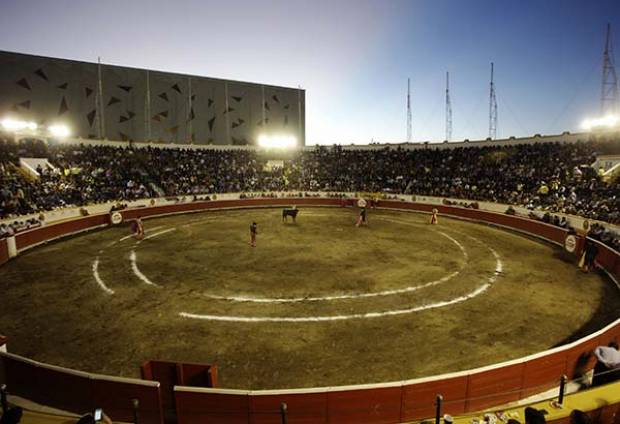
(552, 177)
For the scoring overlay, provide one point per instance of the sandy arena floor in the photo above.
(317, 303)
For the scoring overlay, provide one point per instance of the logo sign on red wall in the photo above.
(570, 243)
(117, 218)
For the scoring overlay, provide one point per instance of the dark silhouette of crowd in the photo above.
(553, 177)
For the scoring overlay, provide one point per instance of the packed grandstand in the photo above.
(551, 177)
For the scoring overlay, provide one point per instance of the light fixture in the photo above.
(608, 121)
(59, 130)
(277, 141)
(18, 125)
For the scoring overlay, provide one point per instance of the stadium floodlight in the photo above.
(277, 141)
(59, 130)
(16, 125)
(607, 122)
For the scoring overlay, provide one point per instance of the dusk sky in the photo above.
(353, 57)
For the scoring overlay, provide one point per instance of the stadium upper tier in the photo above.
(557, 177)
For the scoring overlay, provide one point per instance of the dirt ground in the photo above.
(400, 315)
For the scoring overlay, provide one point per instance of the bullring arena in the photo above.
(391, 301)
(319, 302)
(174, 250)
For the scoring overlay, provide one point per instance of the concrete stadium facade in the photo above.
(120, 103)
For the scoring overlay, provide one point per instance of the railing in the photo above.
(385, 402)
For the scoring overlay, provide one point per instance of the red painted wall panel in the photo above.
(382, 405)
(195, 408)
(4, 251)
(543, 373)
(47, 232)
(419, 399)
(49, 386)
(166, 373)
(115, 397)
(609, 259)
(303, 408)
(494, 387)
(580, 358)
(613, 334)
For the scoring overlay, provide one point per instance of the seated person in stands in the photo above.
(5, 231)
(579, 417)
(607, 368)
(534, 416)
(12, 416)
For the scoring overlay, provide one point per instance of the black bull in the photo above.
(289, 212)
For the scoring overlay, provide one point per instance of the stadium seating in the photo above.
(550, 176)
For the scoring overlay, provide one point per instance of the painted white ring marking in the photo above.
(408, 289)
(98, 278)
(460, 299)
(156, 234)
(471, 295)
(336, 297)
(146, 231)
(134, 267)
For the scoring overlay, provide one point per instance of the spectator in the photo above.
(534, 416)
(12, 416)
(607, 368)
(551, 178)
(579, 417)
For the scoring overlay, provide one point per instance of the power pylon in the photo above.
(448, 109)
(492, 109)
(409, 134)
(609, 83)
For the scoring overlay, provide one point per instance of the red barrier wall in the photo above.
(81, 392)
(52, 231)
(166, 373)
(4, 251)
(221, 204)
(463, 392)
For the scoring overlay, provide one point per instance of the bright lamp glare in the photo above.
(608, 121)
(17, 125)
(59, 130)
(277, 141)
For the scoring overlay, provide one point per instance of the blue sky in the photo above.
(353, 57)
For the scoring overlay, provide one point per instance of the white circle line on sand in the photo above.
(134, 267)
(460, 299)
(481, 289)
(408, 289)
(145, 232)
(156, 234)
(98, 278)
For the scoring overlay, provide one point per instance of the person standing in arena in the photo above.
(253, 232)
(434, 217)
(361, 219)
(137, 228)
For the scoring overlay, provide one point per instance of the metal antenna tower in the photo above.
(492, 109)
(147, 108)
(609, 84)
(408, 111)
(448, 109)
(99, 110)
